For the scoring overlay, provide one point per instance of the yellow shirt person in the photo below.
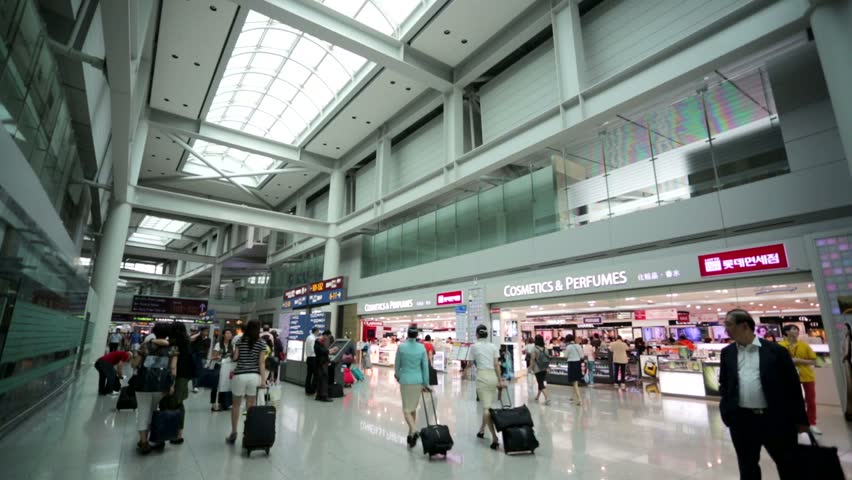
(802, 351)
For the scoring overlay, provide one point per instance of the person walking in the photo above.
(156, 372)
(489, 379)
(110, 371)
(223, 351)
(249, 373)
(589, 354)
(311, 363)
(411, 370)
(619, 361)
(186, 371)
(539, 362)
(114, 340)
(574, 356)
(366, 363)
(804, 359)
(322, 351)
(761, 402)
(200, 343)
(135, 340)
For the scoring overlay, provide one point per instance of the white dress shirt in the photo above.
(748, 370)
(309, 346)
(484, 353)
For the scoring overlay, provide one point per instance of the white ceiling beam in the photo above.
(209, 132)
(159, 233)
(169, 202)
(146, 276)
(195, 178)
(324, 23)
(529, 23)
(134, 251)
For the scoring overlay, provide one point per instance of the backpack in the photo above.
(542, 360)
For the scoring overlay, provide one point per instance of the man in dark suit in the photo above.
(762, 402)
(321, 348)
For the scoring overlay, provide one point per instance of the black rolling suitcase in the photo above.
(126, 399)
(509, 416)
(519, 440)
(335, 390)
(436, 438)
(259, 429)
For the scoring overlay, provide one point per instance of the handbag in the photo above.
(821, 462)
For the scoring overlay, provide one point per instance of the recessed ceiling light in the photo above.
(630, 298)
(798, 301)
(463, 41)
(698, 307)
(174, 56)
(446, 32)
(213, 7)
(196, 64)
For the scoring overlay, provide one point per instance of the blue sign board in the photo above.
(326, 297)
(301, 324)
(461, 309)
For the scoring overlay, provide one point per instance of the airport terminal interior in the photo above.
(346, 238)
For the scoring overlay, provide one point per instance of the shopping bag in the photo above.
(821, 462)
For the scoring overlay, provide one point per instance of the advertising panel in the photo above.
(768, 257)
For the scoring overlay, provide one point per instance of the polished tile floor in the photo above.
(616, 435)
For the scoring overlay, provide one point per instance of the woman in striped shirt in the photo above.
(249, 373)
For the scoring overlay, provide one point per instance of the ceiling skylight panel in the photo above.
(278, 74)
(386, 16)
(149, 239)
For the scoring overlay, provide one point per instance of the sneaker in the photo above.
(815, 430)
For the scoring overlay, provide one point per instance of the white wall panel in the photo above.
(318, 209)
(365, 186)
(619, 33)
(417, 155)
(518, 94)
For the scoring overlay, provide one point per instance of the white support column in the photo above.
(453, 125)
(331, 256)
(271, 244)
(831, 22)
(179, 269)
(301, 211)
(235, 236)
(215, 282)
(570, 56)
(383, 161)
(107, 268)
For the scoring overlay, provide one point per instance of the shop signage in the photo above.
(385, 306)
(592, 320)
(682, 317)
(769, 257)
(450, 298)
(173, 306)
(659, 314)
(588, 325)
(373, 323)
(570, 283)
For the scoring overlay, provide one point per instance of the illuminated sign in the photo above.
(385, 306)
(769, 257)
(659, 314)
(450, 298)
(335, 283)
(296, 292)
(173, 306)
(373, 323)
(570, 283)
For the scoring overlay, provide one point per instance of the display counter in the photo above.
(386, 356)
(557, 372)
(688, 377)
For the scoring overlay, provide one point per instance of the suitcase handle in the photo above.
(508, 396)
(426, 410)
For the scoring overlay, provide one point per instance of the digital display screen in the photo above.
(174, 306)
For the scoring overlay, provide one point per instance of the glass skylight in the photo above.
(278, 80)
(229, 160)
(386, 16)
(164, 224)
(156, 223)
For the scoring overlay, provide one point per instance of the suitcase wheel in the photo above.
(248, 452)
(267, 452)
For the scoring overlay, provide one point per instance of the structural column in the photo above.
(215, 282)
(107, 268)
(179, 268)
(831, 23)
(568, 43)
(331, 257)
(453, 125)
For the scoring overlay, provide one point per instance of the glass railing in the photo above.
(723, 135)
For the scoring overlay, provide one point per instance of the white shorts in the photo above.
(245, 384)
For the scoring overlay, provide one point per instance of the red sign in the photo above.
(373, 323)
(659, 314)
(296, 292)
(335, 283)
(450, 298)
(682, 317)
(769, 257)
